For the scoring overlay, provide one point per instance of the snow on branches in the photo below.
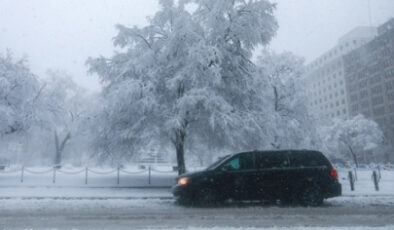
(188, 76)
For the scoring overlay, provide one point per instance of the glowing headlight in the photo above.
(183, 180)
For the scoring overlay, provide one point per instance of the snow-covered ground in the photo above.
(292, 228)
(159, 176)
(358, 213)
(38, 203)
(83, 193)
(364, 184)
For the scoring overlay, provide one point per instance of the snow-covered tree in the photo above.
(355, 138)
(291, 125)
(19, 88)
(19, 91)
(64, 106)
(188, 77)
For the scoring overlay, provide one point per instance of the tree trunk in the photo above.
(180, 157)
(179, 142)
(60, 148)
(353, 155)
(276, 99)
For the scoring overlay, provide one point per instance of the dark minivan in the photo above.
(290, 176)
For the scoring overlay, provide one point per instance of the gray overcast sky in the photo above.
(61, 34)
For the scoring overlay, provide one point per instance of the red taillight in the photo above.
(334, 174)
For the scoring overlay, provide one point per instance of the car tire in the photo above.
(184, 201)
(207, 197)
(286, 201)
(312, 196)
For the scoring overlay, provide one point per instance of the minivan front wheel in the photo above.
(207, 197)
(312, 196)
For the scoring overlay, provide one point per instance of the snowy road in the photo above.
(162, 213)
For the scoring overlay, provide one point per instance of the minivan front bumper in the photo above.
(181, 191)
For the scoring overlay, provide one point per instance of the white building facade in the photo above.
(326, 79)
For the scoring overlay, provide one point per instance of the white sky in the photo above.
(62, 34)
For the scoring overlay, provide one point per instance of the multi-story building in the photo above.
(325, 75)
(369, 79)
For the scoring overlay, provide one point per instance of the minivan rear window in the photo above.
(308, 159)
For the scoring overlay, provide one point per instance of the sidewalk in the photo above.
(83, 193)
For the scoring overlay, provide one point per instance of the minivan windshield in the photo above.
(218, 162)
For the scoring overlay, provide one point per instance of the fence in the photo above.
(366, 180)
(140, 177)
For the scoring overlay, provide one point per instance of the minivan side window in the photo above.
(271, 160)
(240, 162)
(234, 164)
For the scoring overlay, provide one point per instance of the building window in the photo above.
(375, 79)
(377, 100)
(379, 111)
(376, 90)
(392, 108)
(344, 111)
(389, 85)
(390, 96)
(364, 103)
(363, 93)
(353, 88)
(366, 113)
(353, 97)
(355, 107)
(363, 84)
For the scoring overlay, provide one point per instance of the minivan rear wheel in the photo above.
(312, 196)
